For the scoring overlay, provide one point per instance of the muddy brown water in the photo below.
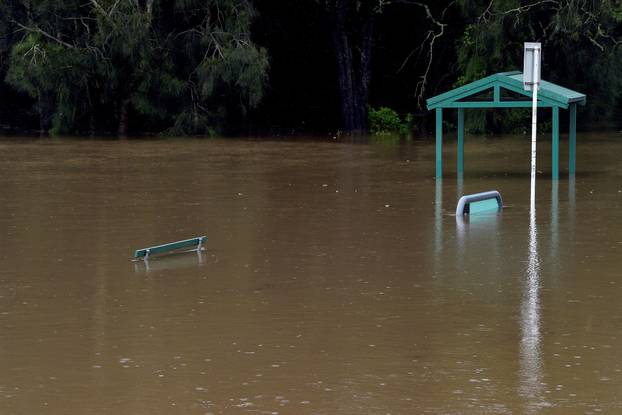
(336, 279)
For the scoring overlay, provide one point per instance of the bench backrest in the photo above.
(479, 202)
(140, 253)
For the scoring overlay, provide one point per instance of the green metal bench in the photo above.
(144, 253)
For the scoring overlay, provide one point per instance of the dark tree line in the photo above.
(263, 67)
(182, 66)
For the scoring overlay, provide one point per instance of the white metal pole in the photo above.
(534, 122)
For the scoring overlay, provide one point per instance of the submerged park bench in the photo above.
(144, 253)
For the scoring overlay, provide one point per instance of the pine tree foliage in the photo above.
(580, 41)
(192, 66)
(183, 66)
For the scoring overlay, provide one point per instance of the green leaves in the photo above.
(384, 120)
(167, 59)
(580, 48)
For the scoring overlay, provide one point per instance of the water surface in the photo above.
(336, 279)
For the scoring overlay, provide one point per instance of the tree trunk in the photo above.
(41, 120)
(364, 73)
(92, 123)
(91, 112)
(44, 107)
(345, 70)
(353, 57)
(124, 109)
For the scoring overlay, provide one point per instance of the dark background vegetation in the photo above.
(319, 67)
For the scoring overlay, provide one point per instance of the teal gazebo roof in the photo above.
(549, 94)
(506, 90)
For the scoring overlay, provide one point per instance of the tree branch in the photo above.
(431, 37)
(44, 33)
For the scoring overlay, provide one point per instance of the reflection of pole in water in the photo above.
(569, 230)
(530, 358)
(460, 240)
(438, 224)
(460, 222)
(571, 201)
(554, 220)
(438, 218)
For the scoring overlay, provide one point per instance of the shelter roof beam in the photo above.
(493, 104)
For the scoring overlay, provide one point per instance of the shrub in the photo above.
(384, 120)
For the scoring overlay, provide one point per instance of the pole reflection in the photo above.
(554, 222)
(530, 349)
(460, 222)
(571, 203)
(438, 218)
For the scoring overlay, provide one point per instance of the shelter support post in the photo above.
(572, 140)
(460, 141)
(439, 143)
(555, 149)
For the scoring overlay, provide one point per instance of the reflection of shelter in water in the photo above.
(505, 90)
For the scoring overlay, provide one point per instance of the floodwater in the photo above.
(336, 279)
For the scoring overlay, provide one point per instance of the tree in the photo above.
(580, 41)
(171, 63)
(223, 70)
(352, 24)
